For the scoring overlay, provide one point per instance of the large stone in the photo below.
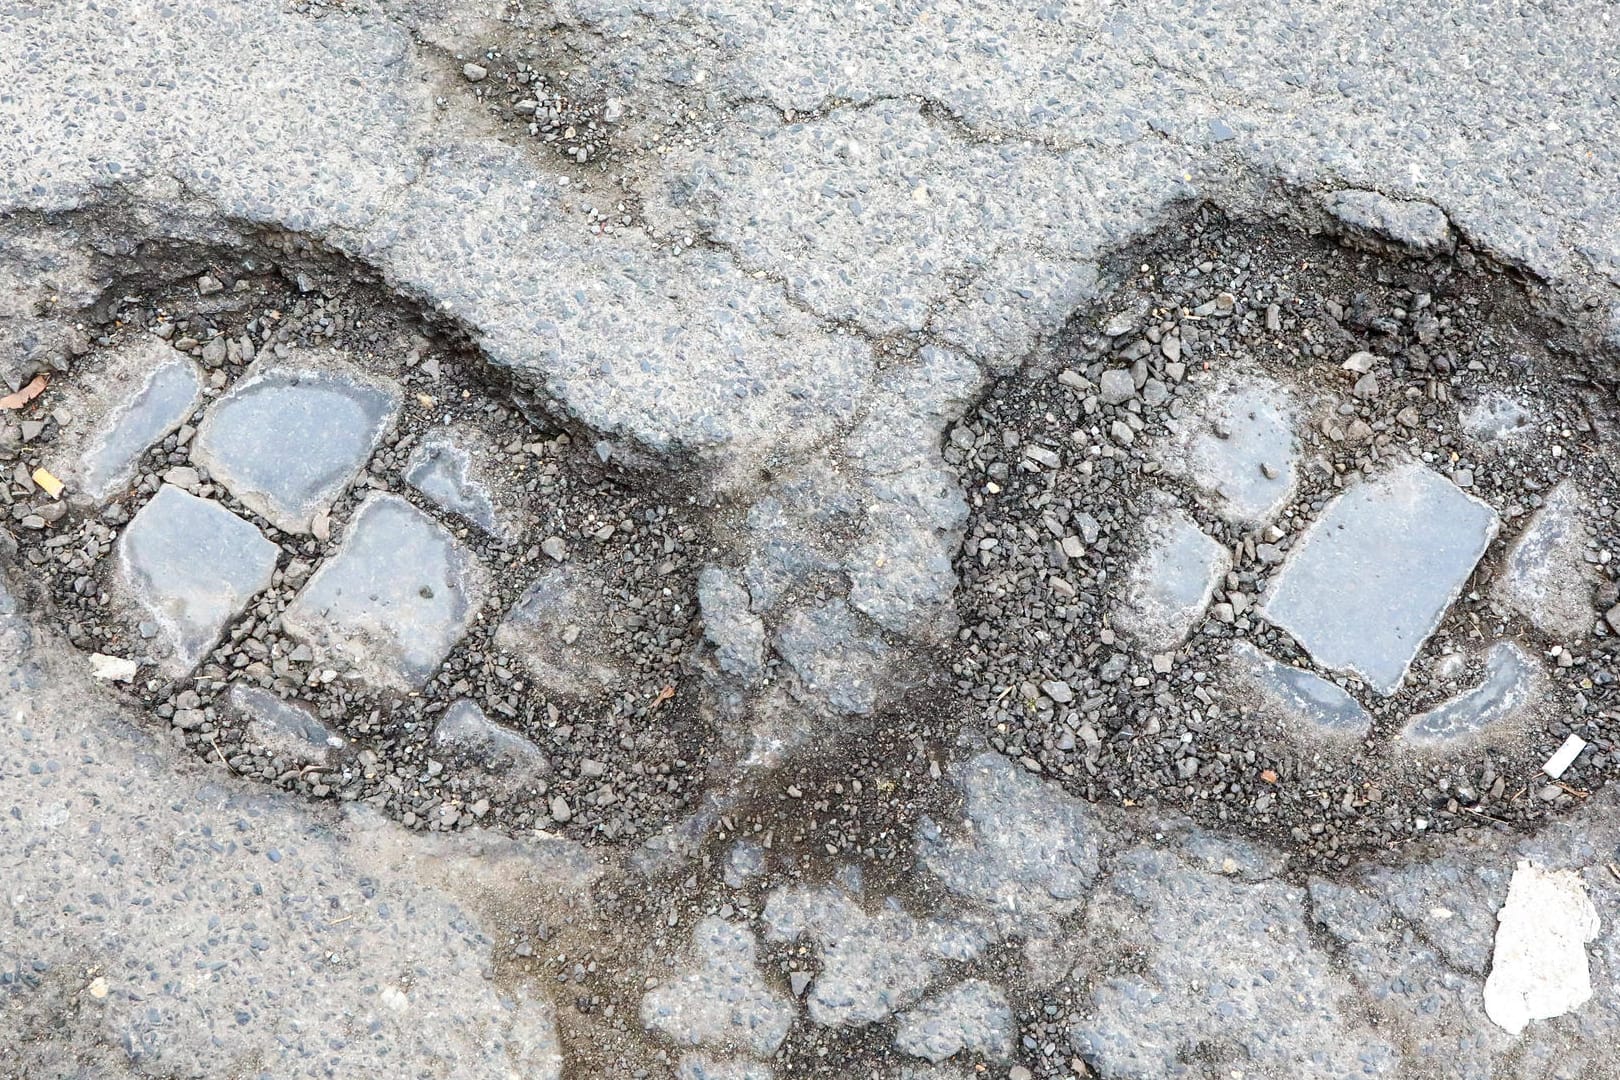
(721, 1000)
(288, 440)
(558, 629)
(509, 759)
(395, 598)
(1373, 576)
(1418, 226)
(1547, 578)
(1240, 452)
(286, 729)
(192, 566)
(1312, 702)
(446, 471)
(1539, 968)
(1509, 680)
(102, 456)
(1171, 582)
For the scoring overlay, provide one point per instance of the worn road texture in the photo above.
(770, 254)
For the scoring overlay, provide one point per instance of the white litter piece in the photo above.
(1564, 756)
(115, 668)
(1539, 967)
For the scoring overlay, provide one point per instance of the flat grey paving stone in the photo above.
(1241, 452)
(445, 470)
(395, 598)
(284, 728)
(1547, 578)
(192, 566)
(557, 629)
(1304, 696)
(102, 458)
(1375, 573)
(287, 440)
(972, 1016)
(1509, 682)
(721, 1000)
(1172, 581)
(498, 750)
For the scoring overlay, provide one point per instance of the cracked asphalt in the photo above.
(810, 369)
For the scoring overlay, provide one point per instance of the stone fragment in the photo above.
(112, 668)
(1025, 847)
(1305, 697)
(560, 631)
(101, 457)
(871, 965)
(285, 729)
(288, 440)
(395, 598)
(191, 566)
(721, 1000)
(729, 624)
(501, 752)
(1172, 581)
(444, 470)
(1420, 227)
(1509, 679)
(1116, 386)
(1546, 577)
(1539, 968)
(1373, 576)
(1243, 454)
(972, 1016)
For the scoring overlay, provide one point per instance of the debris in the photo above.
(26, 394)
(1269, 776)
(51, 485)
(115, 668)
(1564, 756)
(1539, 969)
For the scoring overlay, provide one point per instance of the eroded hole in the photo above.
(1300, 540)
(316, 535)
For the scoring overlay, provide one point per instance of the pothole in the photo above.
(317, 536)
(1304, 540)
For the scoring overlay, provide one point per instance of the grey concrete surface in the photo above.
(827, 225)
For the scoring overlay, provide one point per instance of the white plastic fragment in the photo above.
(1564, 756)
(1539, 968)
(115, 668)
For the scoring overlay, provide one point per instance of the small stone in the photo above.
(561, 812)
(555, 548)
(1116, 386)
(114, 668)
(474, 72)
(1058, 691)
(208, 285)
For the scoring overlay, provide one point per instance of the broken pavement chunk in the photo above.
(394, 600)
(1241, 452)
(191, 566)
(560, 631)
(1378, 220)
(1172, 581)
(1374, 575)
(288, 440)
(500, 752)
(1509, 678)
(284, 728)
(1539, 968)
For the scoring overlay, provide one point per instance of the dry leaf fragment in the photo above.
(25, 395)
(1269, 776)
